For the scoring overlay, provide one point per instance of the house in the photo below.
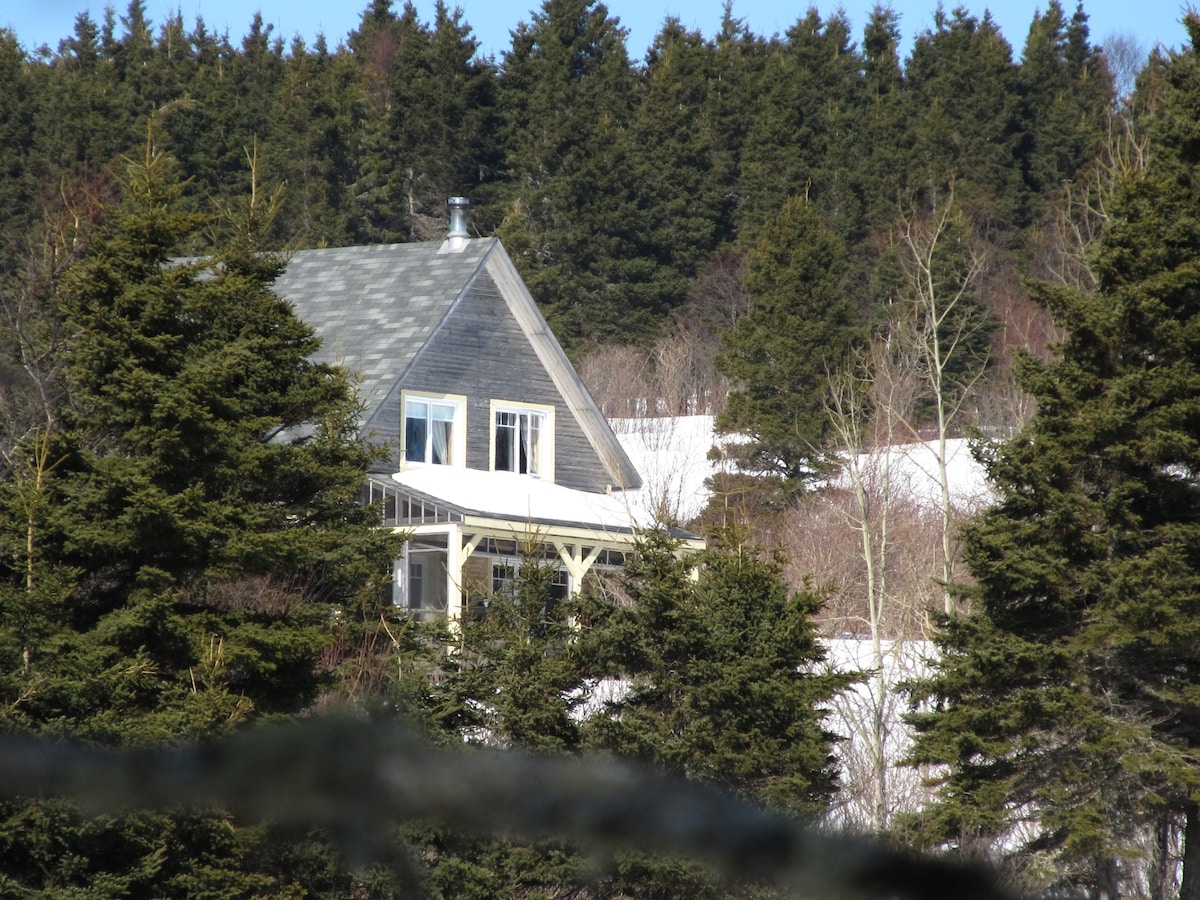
(495, 447)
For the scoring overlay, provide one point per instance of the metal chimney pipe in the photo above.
(458, 217)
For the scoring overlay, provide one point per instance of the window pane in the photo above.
(519, 442)
(429, 431)
(535, 444)
(415, 434)
(439, 450)
(505, 442)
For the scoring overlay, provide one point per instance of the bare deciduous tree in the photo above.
(30, 327)
(939, 326)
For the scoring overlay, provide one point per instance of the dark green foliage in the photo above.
(883, 125)
(516, 678)
(612, 185)
(427, 123)
(169, 561)
(964, 109)
(1067, 92)
(781, 353)
(16, 132)
(312, 147)
(181, 384)
(798, 143)
(49, 848)
(725, 680)
(566, 94)
(1069, 702)
(727, 687)
(180, 542)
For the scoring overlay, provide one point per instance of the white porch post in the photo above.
(454, 575)
(576, 564)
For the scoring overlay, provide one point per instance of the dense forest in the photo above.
(618, 185)
(832, 248)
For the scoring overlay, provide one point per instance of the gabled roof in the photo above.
(377, 307)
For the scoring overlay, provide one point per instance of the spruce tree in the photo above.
(1067, 95)
(798, 143)
(16, 140)
(312, 140)
(963, 107)
(781, 353)
(194, 522)
(180, 544)
(516, 679)
(566, 93)
(737, 68)
(428, 120)
(725, 681)
(1065, 707)
(678, 198)
(883, 126)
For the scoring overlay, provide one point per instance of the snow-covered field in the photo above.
(672, 456)
(674, 459)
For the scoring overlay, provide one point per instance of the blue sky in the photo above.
(47, 21)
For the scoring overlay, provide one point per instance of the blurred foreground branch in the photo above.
(358, 780)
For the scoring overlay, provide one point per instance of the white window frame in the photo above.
(456, 448)
(526, 414)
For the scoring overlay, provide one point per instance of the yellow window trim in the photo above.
(458, 436)
(546, 434)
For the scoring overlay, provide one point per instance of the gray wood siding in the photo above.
(480, 351)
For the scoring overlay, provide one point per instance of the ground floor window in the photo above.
(505, 574)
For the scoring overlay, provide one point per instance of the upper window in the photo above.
(523, 439)
(433, 430)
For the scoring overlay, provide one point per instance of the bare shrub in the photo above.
(269, 595)
(619, 380)
(677, 377)
(717, 297)
(822, 541)
(875, 786)
(1125, 56)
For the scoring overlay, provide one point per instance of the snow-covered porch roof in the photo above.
(446, 493)
(464, 511)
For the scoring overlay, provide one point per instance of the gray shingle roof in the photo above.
(375, 306)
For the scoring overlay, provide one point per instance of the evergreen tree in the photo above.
(81, 121)
(883, 128)
(739, 60)
(16, 142)
(964, 111)
(723, 672)
(566, 93)
(781, 352)
(196, 127)
(800, 140)
(517, 679)
(203, 540)
(678, 198)
(312, 143)
(1068, 93)
(429, 110)
(175, 552)
(1065, 706)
